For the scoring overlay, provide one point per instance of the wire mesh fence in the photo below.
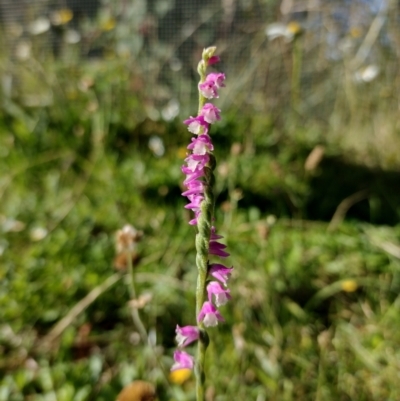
(332, 60)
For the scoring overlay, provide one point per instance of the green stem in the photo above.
(204, 223)
(136, 317)
(135, 313)
(199, 370)
(296, 73)
(201, 69)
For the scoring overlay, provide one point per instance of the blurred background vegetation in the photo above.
(308, 198)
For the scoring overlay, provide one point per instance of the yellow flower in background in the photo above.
(349, 285)
(71, 94)
(356, 32)
(294, 27)
(62, 16)
(108, 24)
(182, 152)
(179, 376)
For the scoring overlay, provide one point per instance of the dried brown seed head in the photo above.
(126, 239)
(138, 390)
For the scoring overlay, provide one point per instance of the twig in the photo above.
(59, 327)
(389, 247)
(44, 158)
(57, 330)
(370, 37)
(344, 206)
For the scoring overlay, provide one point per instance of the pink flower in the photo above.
(217, 249)
(193, 222)
(201, 145)
(194, 187)
(220, 272)
(191, 176)
(182, 360)
(193, 172)
(196, 162)
(210, 113)
(208, 89)
(186, 335)
(213, 60)
(196, 125)
(221, 295)
(218, 78)
(195, 202)
(214, 234)
(209, 314)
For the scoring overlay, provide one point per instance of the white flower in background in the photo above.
(175, 64)
(286, 31)
(72, 36)
(10, 225)
(156, 145)
(152, 113)
(367, 74)
(39, 26)
(38, 233)
(171, 110)
(23, 50)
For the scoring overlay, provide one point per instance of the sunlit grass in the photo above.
(315, 311)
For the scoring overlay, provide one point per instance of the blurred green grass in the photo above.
(314, 314)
